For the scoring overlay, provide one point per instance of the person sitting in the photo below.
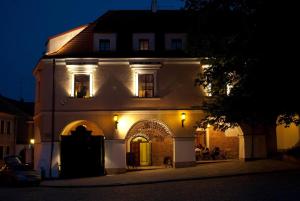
(205, 153)
(215, 153)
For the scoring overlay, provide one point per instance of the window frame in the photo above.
(104, 40)
(89, 85)
(174, 44)
(139, 69)
(144, 42)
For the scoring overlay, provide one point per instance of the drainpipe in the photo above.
(52, 116)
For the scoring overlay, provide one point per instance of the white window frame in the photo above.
(81, 69)
(140, 69)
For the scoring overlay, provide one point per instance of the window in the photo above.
(8, 127)
(104, 45)
(176, 44)
(104, 42)
(2, 127)
(146, 85)
(144, 44)
(81, 86)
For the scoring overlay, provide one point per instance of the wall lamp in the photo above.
(183, 116)
(116, 117)
(32, 141)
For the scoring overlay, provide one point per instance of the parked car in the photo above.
(14, 173)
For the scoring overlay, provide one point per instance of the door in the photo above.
(82, 154)
(135, 149)
(145, 154)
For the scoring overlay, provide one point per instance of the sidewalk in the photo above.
(201, 171)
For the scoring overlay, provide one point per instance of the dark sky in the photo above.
(26, 25)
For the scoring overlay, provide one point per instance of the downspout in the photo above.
(52, 117)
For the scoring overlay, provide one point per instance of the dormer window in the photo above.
(104, 45)
(104, 42)
(175, 41)
(143, 41)
(143, 44)
(176, 44)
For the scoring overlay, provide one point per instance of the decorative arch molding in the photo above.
(89, 125)
(149, 129)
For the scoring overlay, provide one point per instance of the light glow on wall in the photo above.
(136, 84)
(72, 85)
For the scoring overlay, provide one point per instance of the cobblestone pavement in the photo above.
(207, 170)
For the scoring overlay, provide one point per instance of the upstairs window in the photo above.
(176, 44)
(104, 45)
(144, 44)
(81, 86)
(146, 85)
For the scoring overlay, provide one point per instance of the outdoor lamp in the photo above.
(182, 119)
(116, 121)
(32, 141)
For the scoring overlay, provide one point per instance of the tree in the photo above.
(242, 44)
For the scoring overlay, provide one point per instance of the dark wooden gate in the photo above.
(135, 149)
(82, 155)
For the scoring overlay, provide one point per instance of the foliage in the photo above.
(236, 39)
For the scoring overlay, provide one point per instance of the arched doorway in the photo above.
(82, 152)
(141, 149)
(150, 142)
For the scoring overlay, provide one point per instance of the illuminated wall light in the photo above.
(116, 117)
(183, 117)
(32, 141)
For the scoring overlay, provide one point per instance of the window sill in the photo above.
(147, 99)
(84, 98)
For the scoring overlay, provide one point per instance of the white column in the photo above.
(183, 152)
(42, 152)
(115, 156)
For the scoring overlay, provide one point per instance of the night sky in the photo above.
(26, 25)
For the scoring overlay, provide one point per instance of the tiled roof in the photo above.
(14, 107)
(125, 23)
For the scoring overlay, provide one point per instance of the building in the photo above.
(16, 128)
(122, 87)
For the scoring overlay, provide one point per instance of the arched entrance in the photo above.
(228, 143)
(150, 142)
(82, 152)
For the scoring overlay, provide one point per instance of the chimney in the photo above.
(154, 6)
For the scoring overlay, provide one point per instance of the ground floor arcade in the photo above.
(155, 138)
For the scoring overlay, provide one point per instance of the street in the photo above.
(268, 186)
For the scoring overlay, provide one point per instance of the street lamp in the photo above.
(32, 141)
